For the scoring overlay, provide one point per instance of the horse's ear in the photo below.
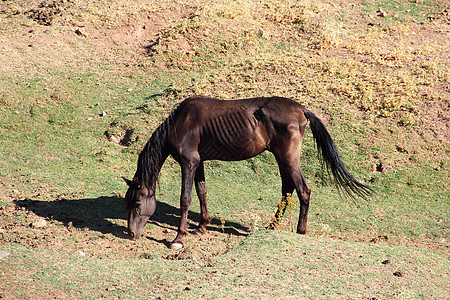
(128, 182)
(136, 182)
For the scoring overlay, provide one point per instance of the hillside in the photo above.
(83, 84)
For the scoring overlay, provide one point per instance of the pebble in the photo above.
(398, 273)
(381, 13)
(39, 223)
(4, 254)
(80, 253)
(176, 246)
(81, 31)
(261, 32)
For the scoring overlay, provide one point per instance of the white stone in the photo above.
(176, 246)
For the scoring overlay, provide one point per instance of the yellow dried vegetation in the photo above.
(306, 50)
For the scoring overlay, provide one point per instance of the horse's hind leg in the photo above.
(293, 178)
(287, 153)
(303, 192)
(200, 187)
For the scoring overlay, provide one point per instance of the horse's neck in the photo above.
(150, 163)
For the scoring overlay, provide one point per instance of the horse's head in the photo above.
(141, 204)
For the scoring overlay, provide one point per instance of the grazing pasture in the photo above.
(83, 85)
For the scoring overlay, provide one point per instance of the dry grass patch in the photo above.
(316, 53)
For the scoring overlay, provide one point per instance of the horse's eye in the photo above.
(137, 208)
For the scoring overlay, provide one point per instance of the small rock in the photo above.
(4, 254)
(39, 223)
(176, 246)
(398, 273)
(261, 32)
(114, 139)
(81, 31)
(80, 253)
(381, 13)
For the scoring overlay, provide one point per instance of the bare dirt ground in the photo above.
(84, 226)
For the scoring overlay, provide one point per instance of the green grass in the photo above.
(402, 11)
(385, 105)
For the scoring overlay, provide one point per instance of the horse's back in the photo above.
(273, 106)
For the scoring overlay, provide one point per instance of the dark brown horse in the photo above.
(203, 128)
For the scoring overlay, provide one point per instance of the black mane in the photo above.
(154, 153)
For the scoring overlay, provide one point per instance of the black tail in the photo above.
(330, 157)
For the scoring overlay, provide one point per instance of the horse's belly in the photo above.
(238, 149)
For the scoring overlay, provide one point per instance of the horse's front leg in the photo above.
(200, 187)
(188, 169)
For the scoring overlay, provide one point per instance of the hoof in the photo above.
(176, 246)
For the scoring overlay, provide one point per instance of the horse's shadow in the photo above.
(98, 215)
